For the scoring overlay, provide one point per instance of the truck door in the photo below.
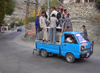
(69, 44)
(53, 48)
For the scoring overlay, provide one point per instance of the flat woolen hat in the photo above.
(61, 9)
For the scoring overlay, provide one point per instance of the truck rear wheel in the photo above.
(44, 53)
(70, 58)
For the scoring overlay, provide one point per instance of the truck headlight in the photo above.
(82, 48)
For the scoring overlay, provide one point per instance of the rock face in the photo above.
(85, 14)
(20, 10)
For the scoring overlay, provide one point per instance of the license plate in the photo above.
(36, 52)
(84, 51)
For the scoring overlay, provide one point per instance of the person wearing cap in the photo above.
(36, 26)
(54, 11)
(61, 10)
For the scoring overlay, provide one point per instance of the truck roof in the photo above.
(71, 32)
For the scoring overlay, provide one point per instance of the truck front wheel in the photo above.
(70, 58)
(44, 53)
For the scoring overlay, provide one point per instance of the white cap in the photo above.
(37, 15)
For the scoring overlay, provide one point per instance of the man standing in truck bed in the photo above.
(43, 25)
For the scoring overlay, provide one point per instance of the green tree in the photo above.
(20, 23)
(31, 19)
(6, 8)
(4, 22)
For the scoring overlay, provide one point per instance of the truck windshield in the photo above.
(82, 38)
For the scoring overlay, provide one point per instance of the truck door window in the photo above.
(69, 39)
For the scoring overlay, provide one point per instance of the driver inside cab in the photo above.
(69, 39)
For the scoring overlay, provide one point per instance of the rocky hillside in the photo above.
(20, 10)
(85, 14)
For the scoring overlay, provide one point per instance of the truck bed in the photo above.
(56, 43)
(49, 47)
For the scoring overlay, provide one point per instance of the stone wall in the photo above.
(85, 14)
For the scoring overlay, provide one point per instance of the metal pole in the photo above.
(36, 7)
(48, 7)
(27, 15)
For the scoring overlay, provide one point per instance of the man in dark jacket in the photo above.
(58, 14)
(58, 17)
(43, 10)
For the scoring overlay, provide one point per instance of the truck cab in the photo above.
(79, 47)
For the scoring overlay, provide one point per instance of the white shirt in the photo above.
(53, 21)
(65, 15)
(54, 12)
(43, 22)
(69, 40)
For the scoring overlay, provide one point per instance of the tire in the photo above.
(70, 58)
(44, 53)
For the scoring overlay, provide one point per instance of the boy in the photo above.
(65, 14)
(68, 22)
(36, 26)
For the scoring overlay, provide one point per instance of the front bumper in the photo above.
(86, 55)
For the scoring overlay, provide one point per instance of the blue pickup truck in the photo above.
(81, 47)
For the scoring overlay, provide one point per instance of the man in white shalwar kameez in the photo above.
(43, 25)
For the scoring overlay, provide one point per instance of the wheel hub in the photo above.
(69, 58)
